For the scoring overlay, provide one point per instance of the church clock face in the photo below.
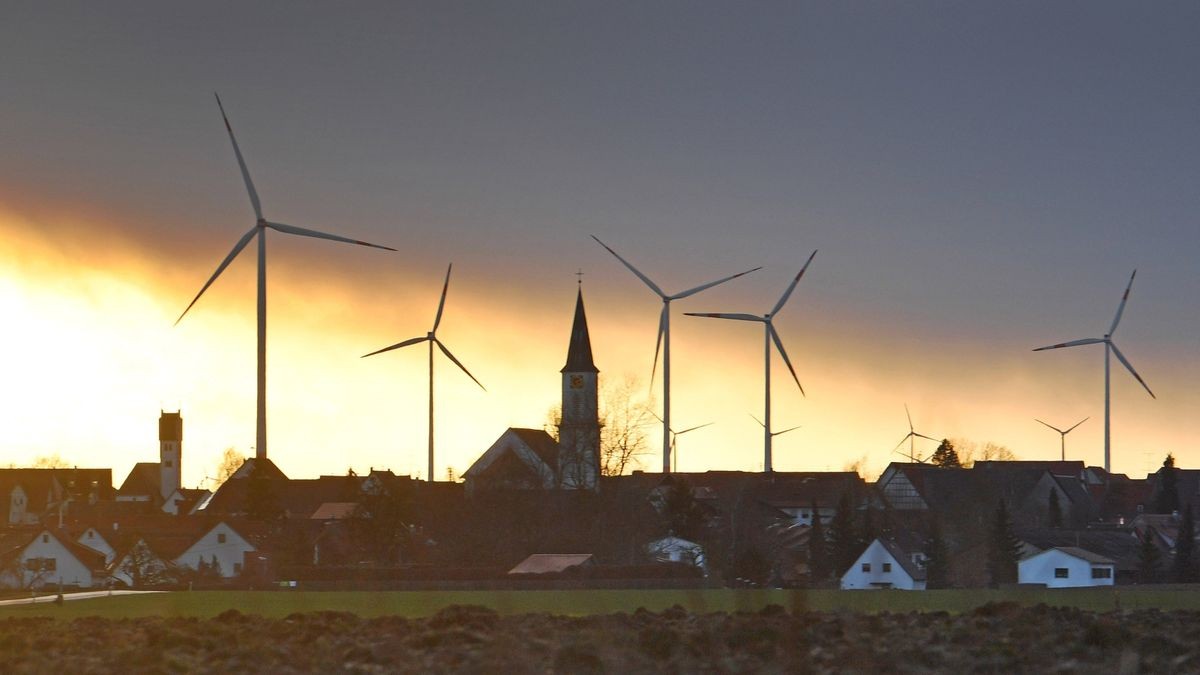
(577, 382)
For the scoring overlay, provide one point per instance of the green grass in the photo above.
(423, 603)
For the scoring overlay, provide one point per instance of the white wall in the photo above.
(876, 556)
(229, 553)
(68, 570)
(1039, 569)
(91, 538)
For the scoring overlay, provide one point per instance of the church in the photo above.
(530, 459)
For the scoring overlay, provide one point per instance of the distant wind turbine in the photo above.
(769, 335)
(1109, 348)
(774, 433)
(912, 440)
(431, 338)
(664, 341)
(1063, 433)
(261, 225)
(675, 438)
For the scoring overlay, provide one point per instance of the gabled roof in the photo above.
(143, 479)
(334, 511)
(1116, 544)
(579, 353)
(543, 563)
(904, 558)
(534, 449)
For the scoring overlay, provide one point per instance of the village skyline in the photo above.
(972, 199)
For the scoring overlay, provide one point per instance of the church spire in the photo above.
(579, 354)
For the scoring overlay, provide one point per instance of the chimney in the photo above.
(170, 452)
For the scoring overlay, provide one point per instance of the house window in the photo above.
(90, 534)
(45, 539)
(50, 564)
(220, 537)
(887, 567)
(866, 567)
(1101, 572)
(1061, 572)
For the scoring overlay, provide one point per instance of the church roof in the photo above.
(579, 354)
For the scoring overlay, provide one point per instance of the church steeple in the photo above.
(579, 427)
(579, 353)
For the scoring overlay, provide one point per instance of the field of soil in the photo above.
(998, 637)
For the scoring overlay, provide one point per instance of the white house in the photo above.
(885, 565)
(1066, 567)
(677, 549)
(92, 539)
(49, 561)
(221, 545)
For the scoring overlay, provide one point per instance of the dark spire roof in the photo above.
(579, 354)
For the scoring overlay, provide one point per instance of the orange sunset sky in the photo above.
(979, 183)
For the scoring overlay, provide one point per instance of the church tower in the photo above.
(170, 452)
(579, 428)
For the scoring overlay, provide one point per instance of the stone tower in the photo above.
(579, 428)
(170, 452)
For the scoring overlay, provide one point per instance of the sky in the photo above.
(980, 179)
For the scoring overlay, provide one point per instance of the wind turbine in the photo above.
(261, 225)
(431, 338)
(1063, 433)
(774, 433)
(912, 440)
(769, 335)
(675, 437)
(1109, 348)
(664, 341)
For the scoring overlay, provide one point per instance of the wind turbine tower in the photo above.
(431, 338)
(769, 335)
(1063, 434)
(259, 230)
(1110, 349)
(664, 340)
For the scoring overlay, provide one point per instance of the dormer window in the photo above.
(45, 539)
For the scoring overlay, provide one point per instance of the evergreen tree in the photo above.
(682, 516)
(946, 457)
(1003, 550)
(1167, 500)
(1184, 567)
(818, 548)
(1056, 516)
(1148, 558)
(937, 565)
(843, 538)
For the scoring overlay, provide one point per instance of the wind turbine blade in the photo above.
(780, 433)
(442, 303)
(693, 291)
(1125, 362)
(653, 286)
(1072, 343)
(788, 292)
(241, 163)
(662, 331)
(656, 416)
(292, 229)
(1121, 307)
(694, 428)
(909, 416)
(398, 345)
(1076, 424)
(928, 438)
(237, 248)
(902, 442)
(760, 422)
(1054, 427)
(783, 353)
(735, 317)
(457, 362)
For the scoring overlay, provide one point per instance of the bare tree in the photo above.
(231, 461)
(51, 461)
(625, 412)
(970, 452)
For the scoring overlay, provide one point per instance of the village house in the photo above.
(1066, 567)
(884, 564)
(49, 559)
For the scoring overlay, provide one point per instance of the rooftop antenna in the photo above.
(1110, 348)
(769, 335)
(259, 230)
(664, 340)
(431, 338)
(1064, 434)
(912, 440)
